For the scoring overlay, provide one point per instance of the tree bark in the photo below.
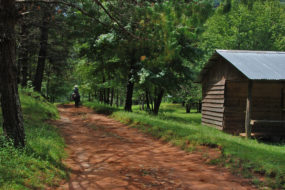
(158, 100)
(117, 98)
(112, 97)
(142, 102)
(95, 94)
(101, 95)
(42, 53)
(151, 101)
(188, 107)
(48, 73)
(129, 96)
(107, 96)
(23, 57)
(24, 72)
(147, 100)
(11, 107)
(130, 86)
(104, 90)
(199, 106)
(89, 97)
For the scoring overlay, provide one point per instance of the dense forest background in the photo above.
(125, 52)
(141, 50)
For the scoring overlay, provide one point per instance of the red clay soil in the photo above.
(105, 154)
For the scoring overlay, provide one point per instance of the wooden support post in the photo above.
(248, 110)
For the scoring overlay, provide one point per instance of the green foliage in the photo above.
(249, 157)
(261, 27)
(188, 93)
(39, 164)
(170, 40)
(101, 108)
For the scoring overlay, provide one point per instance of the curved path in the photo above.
(105, 154)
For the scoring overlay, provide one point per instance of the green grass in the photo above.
(39, 164)
(101, 108)
(249, 158)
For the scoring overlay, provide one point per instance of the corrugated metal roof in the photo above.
(255, 65)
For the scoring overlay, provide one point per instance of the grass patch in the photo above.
(101, 108)
(249, 158)
(39, 164)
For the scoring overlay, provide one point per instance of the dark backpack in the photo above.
(74, 96)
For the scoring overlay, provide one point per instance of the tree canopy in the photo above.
(125, 51)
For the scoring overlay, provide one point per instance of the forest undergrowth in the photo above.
(38, 165)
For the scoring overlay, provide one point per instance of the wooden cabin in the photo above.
(244, 92)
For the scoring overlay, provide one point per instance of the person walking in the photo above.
(76, 96)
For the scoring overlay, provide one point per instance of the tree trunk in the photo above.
(100, 96)
(104, 91)
(11, 107)
(42, 53)
(89, 97)
(147, 100)
(188, 107)
(142, 102)
(24, 63)
(158, 100)
(112, 97)
(48, 82)
(199, 106)
(104, 96)
(130, 86)
(23, 57)
(129, 96)
(107, 96)
(151, 101)
(95, 94)
(117, 98)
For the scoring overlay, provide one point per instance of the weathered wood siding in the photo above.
(266, 105)
(236, 94)
(213, 104)
(213, 89)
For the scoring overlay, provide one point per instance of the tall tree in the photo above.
(11, 108)
(43, 50)
(23, 56)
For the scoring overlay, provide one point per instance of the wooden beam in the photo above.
(248, 110)
(253, 122)
(260, 134)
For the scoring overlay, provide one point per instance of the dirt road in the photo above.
(105, 154)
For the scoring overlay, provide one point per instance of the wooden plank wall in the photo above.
(266, 105)
(235, 105)
(213, 104)
(214, 91)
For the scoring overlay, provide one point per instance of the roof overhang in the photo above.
(254, 65)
